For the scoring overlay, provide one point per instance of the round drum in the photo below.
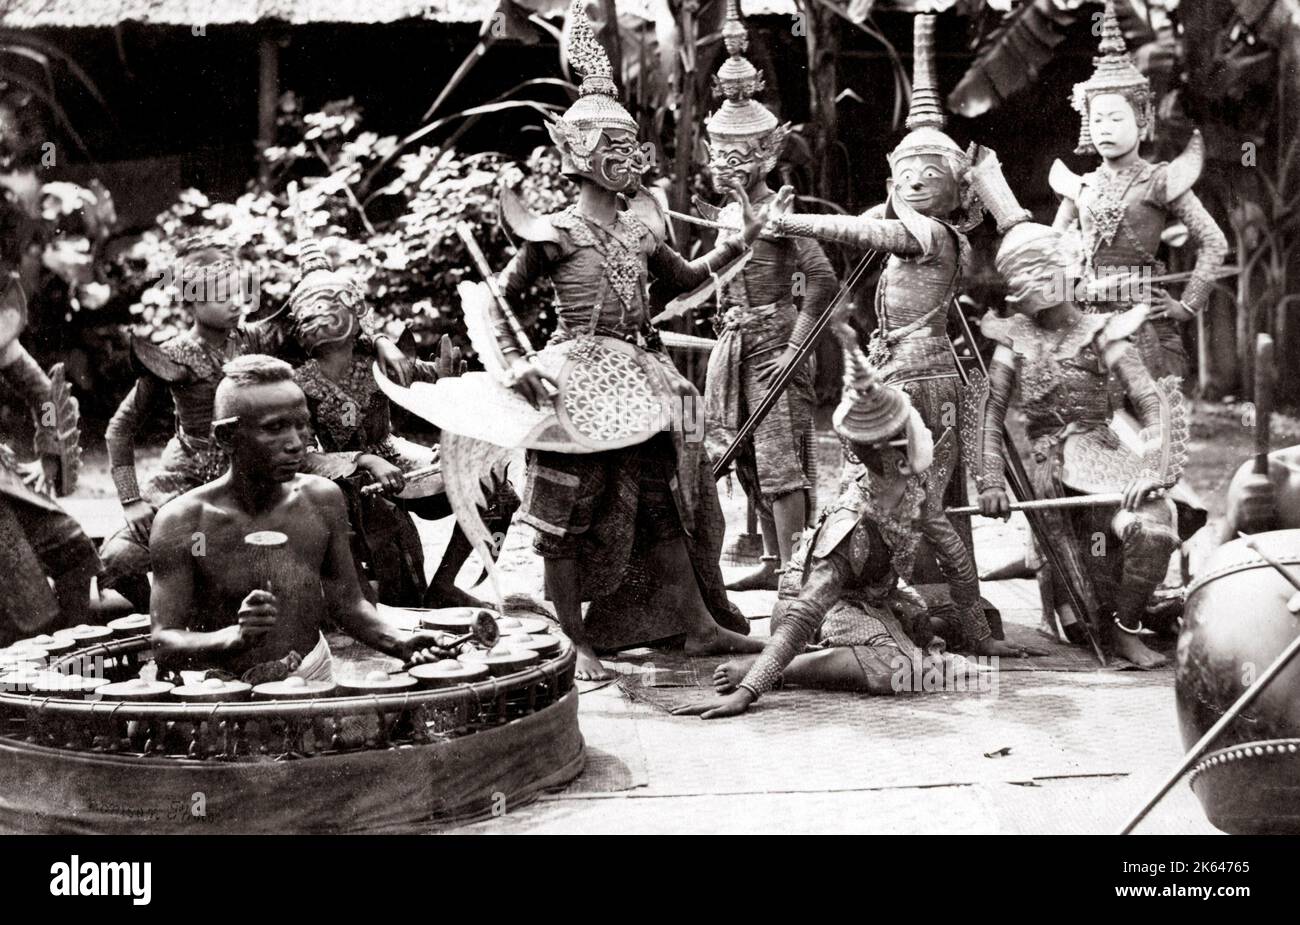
(213, 690)
(1238, 619)
(293, 689)
(448, 673)
(133, 625)
(136, 690)
(377, 682)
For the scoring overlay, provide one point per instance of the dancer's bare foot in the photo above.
(1136, 651)
(715, 641)
(761, 578)
(1047, 627)
(589, 667)
(728, 675)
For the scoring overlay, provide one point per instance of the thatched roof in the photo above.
(32, 14)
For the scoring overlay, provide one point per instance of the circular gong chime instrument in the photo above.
(79, 700)
(213, 690)
(132, 625)
(376, 682)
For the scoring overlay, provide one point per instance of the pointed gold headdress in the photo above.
(578, 132)
(597, 105)
(1114, 72)
(925, 117)
(741, 117)
(870, 410)
(1036, 260)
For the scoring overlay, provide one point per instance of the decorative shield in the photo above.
(612, 394)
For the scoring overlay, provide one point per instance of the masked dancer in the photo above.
(846, 592)
(353, 426)
(187, 368)
(922, 229)
(1060, 359)
(764, 314)
(619, 491)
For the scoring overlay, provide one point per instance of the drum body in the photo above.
(1239, 617)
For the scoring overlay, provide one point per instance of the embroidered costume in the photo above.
(604, 508)
(847, 584)
(1061, 376)
(612, 473)
(771, 305)
(38, 540)
(927, 250)
(188, 370)
(1121, 214)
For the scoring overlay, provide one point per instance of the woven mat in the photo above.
(1033, 724)
(616, 759)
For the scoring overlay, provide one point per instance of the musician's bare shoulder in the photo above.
(207, 525)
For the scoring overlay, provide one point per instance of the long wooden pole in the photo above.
(1102, 499)
(1023, 489)
(786, 374)
(1249, 696)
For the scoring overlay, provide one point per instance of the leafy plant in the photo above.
(398, 240)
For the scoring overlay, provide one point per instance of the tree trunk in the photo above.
(684, 140)
(823, 40)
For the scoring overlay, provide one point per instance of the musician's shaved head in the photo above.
(242, 373)
(261, 418)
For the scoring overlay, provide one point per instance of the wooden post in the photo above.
(268, 92)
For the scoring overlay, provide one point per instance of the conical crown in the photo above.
(870, 410)
(925, 116)
(597, 105)
(737, 82)
(1114, 72)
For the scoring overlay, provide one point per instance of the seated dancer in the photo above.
(352, 422)
(1121, 209)
(1061, 359)
(207, 612)
(188, 367)
(846, 587)
(764, 315)
(39, 542)
(623, 499)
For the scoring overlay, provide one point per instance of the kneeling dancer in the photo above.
(846, 586)
(1060, 358)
